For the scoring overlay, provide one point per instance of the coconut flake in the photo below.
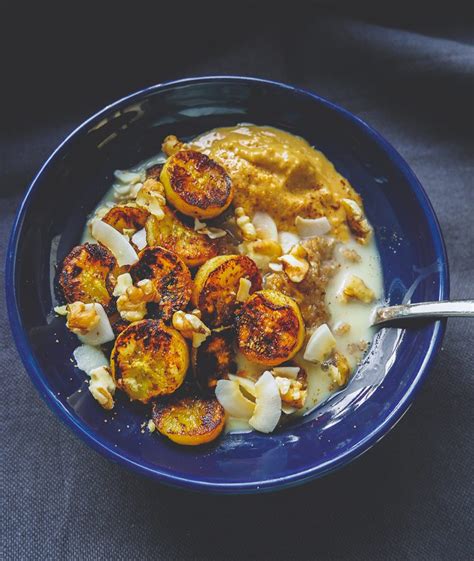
(288, 409)
(245, 383)
(228, 394)
(265, 226)
(286, 371)
(244, 290)
(61, 310)
(124, 176)
(139, 239)
(102, 332)
(88, 357)
(267, 404)
(320, 344)
(115, 241)
(275, 267)
(288, 240)
(123, 192)
(198, 225)
(123, 282)
(212, 233)
(312, 227)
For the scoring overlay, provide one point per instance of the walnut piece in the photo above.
(295, 264)
(351, 255)
(263, 252)
(357, 222)
(171, 145)
(191, 327)
(356, 289)
(249, 233)
(339, 369)
(292, 392)
(342, 328)
(151, 197)
(82, 318)
(132, 304)
(102, 386)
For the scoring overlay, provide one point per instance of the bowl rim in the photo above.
(269, 484)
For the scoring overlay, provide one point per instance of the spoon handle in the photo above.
(435, 310)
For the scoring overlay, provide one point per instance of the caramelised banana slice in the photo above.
(170, 232)
(270, 328)
(216, 285)
(196, 185)
(170, 276)
(189, 420)
(149, 359)
(126, 217)
(88, 275)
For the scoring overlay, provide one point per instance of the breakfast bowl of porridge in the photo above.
(192, 278)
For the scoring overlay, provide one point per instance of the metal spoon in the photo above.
(433, 310)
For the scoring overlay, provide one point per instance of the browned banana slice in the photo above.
(196, 185)
(170, 276)
(213, 359)
(216, 285)
(189, 420)
(154, 172)
(126, 217)
(149, 359)
(88, 275)
(170, 232)
(270, 328)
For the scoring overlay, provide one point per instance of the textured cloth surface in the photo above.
(410, 497)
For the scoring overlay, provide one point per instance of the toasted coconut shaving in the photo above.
(128, 177)
(267, 404)
(286, 371)
(123, 282)
(245, 383)
(233, 401)
(88, 357)
(312, 227)
(139, 239)
(265, 226)
(244, 290)
(213, 233)
(288, 240)
(61, 310)
(320, 344)
(115, 242)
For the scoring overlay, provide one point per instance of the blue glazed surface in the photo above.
(50, 220)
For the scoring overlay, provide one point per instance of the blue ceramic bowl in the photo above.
(70, 184)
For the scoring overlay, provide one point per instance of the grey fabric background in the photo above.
(410, 497)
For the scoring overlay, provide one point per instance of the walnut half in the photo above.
(132, 304)
(82, 318)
